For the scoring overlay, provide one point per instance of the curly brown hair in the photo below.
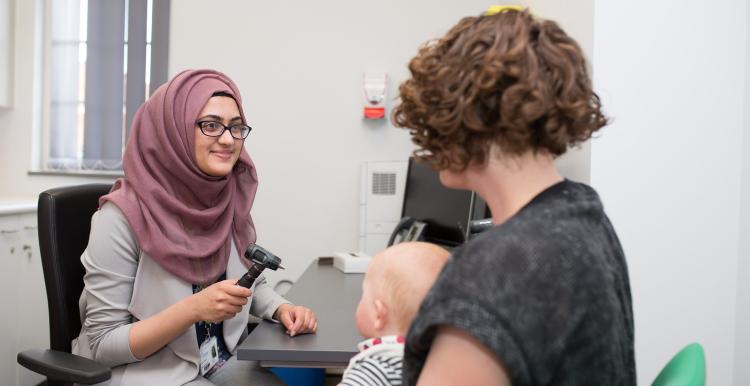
(508, 79)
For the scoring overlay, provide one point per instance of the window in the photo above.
(101, 61)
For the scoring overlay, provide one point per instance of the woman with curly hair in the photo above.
(543, 297)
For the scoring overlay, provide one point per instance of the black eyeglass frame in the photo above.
(224, 128)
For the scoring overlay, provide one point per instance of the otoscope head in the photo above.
(262, 256)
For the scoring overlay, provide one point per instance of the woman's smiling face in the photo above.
(216, 156)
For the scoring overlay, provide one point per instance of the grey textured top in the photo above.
(547, 292)
(111, 261)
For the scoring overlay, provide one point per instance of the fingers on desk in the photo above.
(303, 321)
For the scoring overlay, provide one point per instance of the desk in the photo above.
(333, 296)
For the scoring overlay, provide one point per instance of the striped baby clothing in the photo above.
(377, 364)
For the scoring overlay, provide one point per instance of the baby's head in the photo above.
(396, 281)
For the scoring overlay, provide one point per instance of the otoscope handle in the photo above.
(249, 277)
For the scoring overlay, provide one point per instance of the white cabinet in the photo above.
(31, 306)
(23, 301)
(9, 234)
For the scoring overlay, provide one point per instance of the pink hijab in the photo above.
(181, 216)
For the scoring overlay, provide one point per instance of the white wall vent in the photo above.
(380, 203)
(384, 183)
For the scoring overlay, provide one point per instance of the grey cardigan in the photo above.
(123, 285)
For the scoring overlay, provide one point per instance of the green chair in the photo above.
(687, 368)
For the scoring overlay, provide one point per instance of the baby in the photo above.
(396, 281)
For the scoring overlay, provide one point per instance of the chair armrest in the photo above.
(63, 366)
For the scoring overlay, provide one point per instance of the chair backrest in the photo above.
(64, 217)
(686, 368)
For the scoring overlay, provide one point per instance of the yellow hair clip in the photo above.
(495, 9)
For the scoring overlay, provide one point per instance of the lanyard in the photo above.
(205, 323)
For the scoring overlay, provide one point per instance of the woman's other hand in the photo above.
(220, 301)
(296, 319)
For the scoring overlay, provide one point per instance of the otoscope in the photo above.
(262, 259)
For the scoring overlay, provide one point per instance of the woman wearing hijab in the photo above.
(160, 305)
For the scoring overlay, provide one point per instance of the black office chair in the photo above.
(64, 216)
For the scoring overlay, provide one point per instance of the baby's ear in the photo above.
(381, 315)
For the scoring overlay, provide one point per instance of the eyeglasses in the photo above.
(216, 129)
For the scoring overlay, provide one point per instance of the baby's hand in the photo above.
(296, 319)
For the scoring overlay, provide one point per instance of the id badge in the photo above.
(209, 354)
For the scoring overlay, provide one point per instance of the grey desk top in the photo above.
(333, 296)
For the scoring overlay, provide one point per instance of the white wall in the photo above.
(16, 122)
(671, 74)
(299, 66)
(742, 337)
(6, 47)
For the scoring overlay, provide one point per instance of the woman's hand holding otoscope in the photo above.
(261, 259)
(296, 319)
